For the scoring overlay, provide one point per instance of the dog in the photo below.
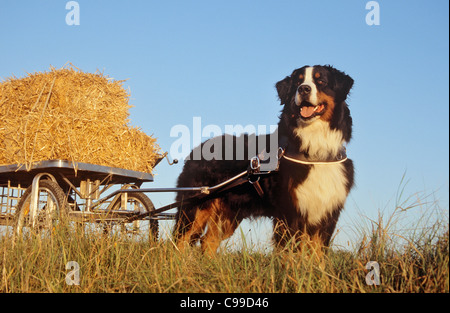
(306, 195)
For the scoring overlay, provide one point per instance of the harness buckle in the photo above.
(255, 163)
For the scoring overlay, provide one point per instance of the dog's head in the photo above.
(314, 93)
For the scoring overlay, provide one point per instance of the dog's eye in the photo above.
(298, 83)
(321, 82)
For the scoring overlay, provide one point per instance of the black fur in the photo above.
(278, 201)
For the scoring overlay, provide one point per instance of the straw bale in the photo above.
(71, 115)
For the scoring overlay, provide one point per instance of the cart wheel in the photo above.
(51, 205)
(139, 202)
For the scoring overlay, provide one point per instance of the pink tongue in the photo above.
(306, 111)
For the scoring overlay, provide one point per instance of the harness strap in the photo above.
(255, 165)
(302, 158)
(257, 187)
(314, 162)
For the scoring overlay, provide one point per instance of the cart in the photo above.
(47, 192)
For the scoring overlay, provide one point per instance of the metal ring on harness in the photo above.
(257, 186)
(255, 163)
(280, 153)
(253, 181)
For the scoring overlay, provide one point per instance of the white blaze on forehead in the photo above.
(308, 76)
(310, 82)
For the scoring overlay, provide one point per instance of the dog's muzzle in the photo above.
(306, 101)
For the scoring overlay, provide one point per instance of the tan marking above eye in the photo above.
(317, 75)
(301, 76)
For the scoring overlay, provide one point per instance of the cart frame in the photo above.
(88, 182)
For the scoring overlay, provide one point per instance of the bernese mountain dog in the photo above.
(314, 176)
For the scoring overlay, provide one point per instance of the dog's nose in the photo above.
(304, 89)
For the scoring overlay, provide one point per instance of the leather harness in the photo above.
(299, 158)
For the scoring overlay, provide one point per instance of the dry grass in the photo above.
(414, 259)
(123, 264)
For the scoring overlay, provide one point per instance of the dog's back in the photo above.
(212, 163)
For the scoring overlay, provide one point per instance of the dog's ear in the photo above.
(283, 88)
(342, 83)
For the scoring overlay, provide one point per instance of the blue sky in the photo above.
(220, 60)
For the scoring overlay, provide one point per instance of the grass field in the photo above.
(411, 255)
(123, 264)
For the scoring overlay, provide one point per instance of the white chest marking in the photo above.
(319, 140)
(325, 186)
(323, 190)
